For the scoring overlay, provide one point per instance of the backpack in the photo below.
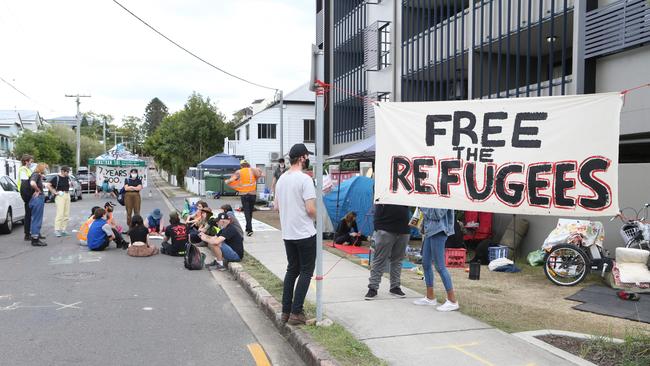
(120, 196)
(193, 257)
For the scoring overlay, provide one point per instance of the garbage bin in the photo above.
(213, 183)
(226, 190)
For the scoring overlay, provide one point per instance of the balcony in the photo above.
(616, 27)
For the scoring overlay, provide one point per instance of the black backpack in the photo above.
(193, 257)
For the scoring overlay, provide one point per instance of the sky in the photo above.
(52, 48)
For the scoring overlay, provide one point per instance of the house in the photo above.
(69, 121)
(32, 120)
(10, 128)
(257, 135)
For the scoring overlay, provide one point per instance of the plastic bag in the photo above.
(536, 257)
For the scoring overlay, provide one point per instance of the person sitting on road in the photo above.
(139, 236)
(233, 219)
(202, 225)
(154, 222)
(100, 233)
(194, 217)
(82, 235)
(227, 245)
(348, 231)
(175, 237)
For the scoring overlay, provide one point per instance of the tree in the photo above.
(154, 114)
(131, 130)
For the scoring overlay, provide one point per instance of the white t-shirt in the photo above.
(291, 192)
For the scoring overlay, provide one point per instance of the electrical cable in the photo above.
(192, 53)
(24, 95)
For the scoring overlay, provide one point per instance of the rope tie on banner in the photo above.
(625, 91)
(320, 278)
(323, 88)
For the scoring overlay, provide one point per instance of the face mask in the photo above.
(32, 166)
(134, 176)
(305, 164)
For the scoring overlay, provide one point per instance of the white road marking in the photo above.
(64, 306)
(147, 308)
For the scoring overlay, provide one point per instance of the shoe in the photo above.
(38, 243)
(371, 294)
(42, 237)
(297, 319)
(57, 233)
(28, 237)
(249, 233)
(284, 317)
(426, 302)
(125, 245)
(397, 291)
(448, 306)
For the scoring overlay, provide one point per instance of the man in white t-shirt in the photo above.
(295, 197)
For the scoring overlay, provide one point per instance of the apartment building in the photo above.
(436, 50)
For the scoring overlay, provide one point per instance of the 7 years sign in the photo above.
(117, 175)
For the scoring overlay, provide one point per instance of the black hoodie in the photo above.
(392, 218)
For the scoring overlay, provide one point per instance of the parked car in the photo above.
(88, 181)
(12, 208)
(75, 188)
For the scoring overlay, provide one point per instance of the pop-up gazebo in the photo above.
(115, 165)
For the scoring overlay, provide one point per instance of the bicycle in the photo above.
(635, 232)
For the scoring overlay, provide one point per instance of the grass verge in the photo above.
(634, 351)
(340, 343)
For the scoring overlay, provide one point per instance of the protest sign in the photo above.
(537, 156)
(116, 175)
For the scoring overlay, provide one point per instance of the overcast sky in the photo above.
(52, 48)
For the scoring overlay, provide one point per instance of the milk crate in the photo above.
(500, 251)
(455, 257)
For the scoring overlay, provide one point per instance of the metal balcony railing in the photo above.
(616, 27)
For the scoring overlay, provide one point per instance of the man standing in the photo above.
(245, 182)
(60, 188)
(295, 197)
(391, 237)
(24, 172)
(132, 200)
(228, 244)
(277, 173)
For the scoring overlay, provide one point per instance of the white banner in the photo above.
(117, 174)
(538, 156)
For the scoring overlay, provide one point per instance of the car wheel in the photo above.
(9, 223)
(74, 197)
(81, 196)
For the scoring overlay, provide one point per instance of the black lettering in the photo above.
(432, 131)
(472, 154)
(602, 192)
(419, 176)
(401, 176)
(560, 184)
(534, 184)
(485, 155)
(492, 130)
(446, 178)
(467, 130)
(530, 131)
(458, 149)
(472, 186)
(501, 187)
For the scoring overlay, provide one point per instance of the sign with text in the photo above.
(536, 156)
(116, 175)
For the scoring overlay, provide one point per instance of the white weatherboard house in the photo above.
(257, 136)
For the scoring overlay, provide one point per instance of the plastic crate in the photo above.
(500, 251)
(455, 257)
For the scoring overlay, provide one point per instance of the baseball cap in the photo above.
(298, 150)
(222, 216)
(243, 161)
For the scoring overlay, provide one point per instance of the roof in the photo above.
(300, 95)
(257, 101)
(10, 117)
(28, 115)
(220, 161)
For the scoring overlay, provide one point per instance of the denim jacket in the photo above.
(437, 220)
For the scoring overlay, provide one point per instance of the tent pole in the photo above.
(338, 192)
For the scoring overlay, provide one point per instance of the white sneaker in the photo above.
(426, 302)
(448, 306)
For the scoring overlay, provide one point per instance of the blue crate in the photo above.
(500, 251)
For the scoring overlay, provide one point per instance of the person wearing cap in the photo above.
(60, 188)
(245, 182)
(295, 197)
(24, 172)
(154, 221)
(227, 245)
(132, 200)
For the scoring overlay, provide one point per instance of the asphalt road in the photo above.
(64, 305)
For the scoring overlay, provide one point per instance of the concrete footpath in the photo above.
(395, 329)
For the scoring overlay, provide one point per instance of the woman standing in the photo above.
(438, 225)
(132, 188)
(24, 173)
(36, 204)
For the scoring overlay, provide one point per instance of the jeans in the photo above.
(389, 249)
(229, 253)
(36, 206)
(301, 256)
(433, 249)
(28, 219)
(248, 204)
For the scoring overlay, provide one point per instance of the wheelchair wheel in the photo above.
(566, 265)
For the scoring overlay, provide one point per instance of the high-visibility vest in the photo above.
(82, 234)
(28, 173)
(246, 182)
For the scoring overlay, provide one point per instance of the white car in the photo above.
(12, 207)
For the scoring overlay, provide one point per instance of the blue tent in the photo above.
(220, 161)
(355, 194)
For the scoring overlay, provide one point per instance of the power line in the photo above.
(190, 52)
(24, 95)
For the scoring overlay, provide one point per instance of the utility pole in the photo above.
(281, 123)
(104, 132)
(319, 59)
(77, 96)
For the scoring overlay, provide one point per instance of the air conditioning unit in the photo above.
(365, 169)
(273, 156)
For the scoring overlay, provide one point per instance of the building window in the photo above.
(266, 131)
(309, 130)
(237, 135)
(384, 46)
(383, 97)
(248, 132)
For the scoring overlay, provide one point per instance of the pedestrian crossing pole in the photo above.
(77, 96)
(318, 60)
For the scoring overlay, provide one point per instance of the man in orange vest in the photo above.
(245, 182)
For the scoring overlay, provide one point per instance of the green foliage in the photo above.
(189, 136)
(154, 114)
